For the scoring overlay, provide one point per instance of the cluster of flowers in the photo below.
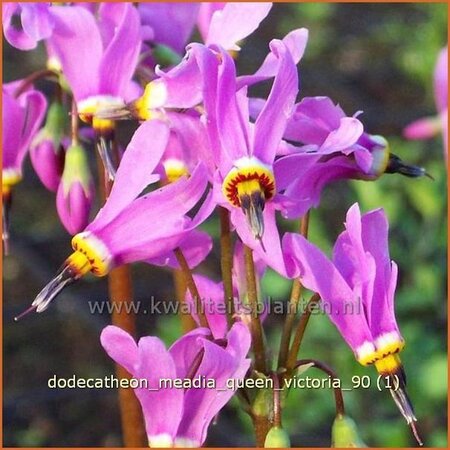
(210, 146)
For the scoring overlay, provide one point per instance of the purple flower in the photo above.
(36, 20)
(357, 290)
(174, 416)
(428, 127)
(46, 151)
(133, 227)
(334, 147)
(75, 191)
(22, 116)
(98, 58)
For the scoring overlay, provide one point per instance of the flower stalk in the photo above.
(300, 331)
(256, 328)
(338, 397)
(190, 282)
(226, 262)
(294, 299)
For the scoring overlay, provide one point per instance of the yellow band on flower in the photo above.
(90, 255)
(386, 345)
(388, 364)
(144, 108)
(175, 169)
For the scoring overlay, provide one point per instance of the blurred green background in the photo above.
(378, 58)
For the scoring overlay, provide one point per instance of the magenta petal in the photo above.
(162, 406)
(212, 297)
(36, 20)
(186, 349)
(313, 119)
(205, 13)
(202, 405)
(172, 23)
(74, 206)
(271, 122)
(120, 57)
(195, 246)
(235, 22)
(22, 118)
(78, 46)
(318, 273)
(136, 168)
(13, 118)
(131, 236)
(441, 80)
(424, 128)
(232, 123)
(341, 139)
(121, 347)
(375, 239)
(295, 42)
(182, 85)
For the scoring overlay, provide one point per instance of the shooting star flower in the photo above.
(363, 277)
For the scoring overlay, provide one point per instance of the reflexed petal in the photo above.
(120, 57)
(232, 125)
(212, 297)
(78, 46)
(295, 42)
(313, 119)
(235, 22)
(318, 273)
(341, 139)
(136, 169)
(271, 122)
(131, 236)
(121, 347)
(202, 405)
(162, 406)
(205, 13)
(185, 350)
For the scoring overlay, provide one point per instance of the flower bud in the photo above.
(46, 151)
(277, 437)
(344, 433)
(75, 191)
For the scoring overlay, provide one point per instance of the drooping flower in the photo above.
(36, 20)
(244, 182)
(46, 150)
(357, 290)
(131, 227)
(177, 417)
(428, 127)
(98, 60)
(334, 147)
(22, 117)
(75, 191)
